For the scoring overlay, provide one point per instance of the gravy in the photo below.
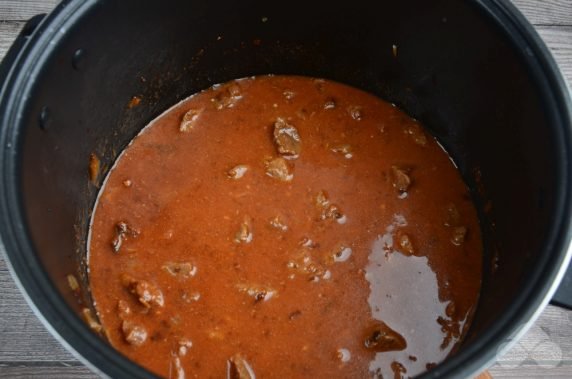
(284, 226)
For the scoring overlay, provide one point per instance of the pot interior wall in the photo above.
(453, 70)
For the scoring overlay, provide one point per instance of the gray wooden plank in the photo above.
(559, 40)
(8, 32)
(545, 350)
(22, 336)
(62, 372)
(546, 12)
(20, 10)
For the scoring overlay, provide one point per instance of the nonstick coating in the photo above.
(474, 72)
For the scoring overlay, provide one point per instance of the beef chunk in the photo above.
(287, 139)
(381, 338)
(257, 292)
(417, 134)
(227, 97)
(238, 368)
(328, 210)
(122, 232)
(134, 334)
(181, 270)
(279, 169)
(244, 233)
(400, 179)
(190, 120)
(404, 244)
(459, 235)
(146, 293)
(91, 320)
(237, 172)
(355, 112)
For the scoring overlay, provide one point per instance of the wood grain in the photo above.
(46, 372)
(559, 40)
(546, 12)
(8, 32)
(21, 10)
(27, 350)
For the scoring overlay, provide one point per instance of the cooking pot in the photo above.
(473, 71)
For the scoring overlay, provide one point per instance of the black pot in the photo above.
(474, 72)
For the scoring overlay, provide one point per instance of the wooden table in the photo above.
(28, 350)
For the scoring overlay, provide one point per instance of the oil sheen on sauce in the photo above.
(285, 227)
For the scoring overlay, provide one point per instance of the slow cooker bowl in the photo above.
(473, 71)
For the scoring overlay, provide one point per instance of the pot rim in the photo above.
(66, 326)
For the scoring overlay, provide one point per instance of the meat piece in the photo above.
(287, 139)
(73, 283)
(257, 292)
(400, 179)
(190, 120)
(345, 150)
(355, 112)
(333, 212)
(122, 232)
(123, 309)
(279, 224)
(328, 210)
(452, 216)
(342, 253)
(459, 235)
(227, 97)
(278, 168)
(308, 243)
(91, 320)
(417, 134)
(135, 101)
(237, 172)
(343, 355)
(330, 104)
(244, 233)
(289, 95)
(184, 346)
(398, 370)
(322, 200)
(134, 334)
(451, 310)
(146, 293)
(382, 338)
(451, 330)
(305, 264)
(404, 244)
(94, 166)
(320, 85)
(190, 297)
(183, 270)
(238, 368)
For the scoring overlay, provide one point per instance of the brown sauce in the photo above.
(284, 227)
